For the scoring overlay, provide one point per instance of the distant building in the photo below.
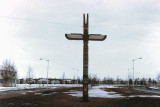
(55, 82)
(43, 81)
(22, 81)
(68, 81)
(74, 81)
(7, 78)
(30, 81)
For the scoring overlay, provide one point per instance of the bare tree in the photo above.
(104, 80)
(9, 66)
(9, 73)
(154, 82)
(94, 80)
(158, 77)
(143, 81)
(118, 80)
(149, 81)
(110, 81)
(130, 81)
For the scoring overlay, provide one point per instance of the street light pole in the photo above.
(128, 77)
(47, 70)
(133, 69)
(77, 77)
(133, 73)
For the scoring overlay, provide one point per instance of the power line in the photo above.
(26, 50)
(130, 24)
(73, 25)
(41, 21)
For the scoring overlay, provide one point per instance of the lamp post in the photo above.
(47, 70)
(128, 77)
(76, 71)
(77, 77)
(133, 69)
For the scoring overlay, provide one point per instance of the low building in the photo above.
(22, 81)
(68, 81)
(7, 78)
(43, 81)
(55, 82)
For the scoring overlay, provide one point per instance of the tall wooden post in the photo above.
(85, 58)
(85, 37)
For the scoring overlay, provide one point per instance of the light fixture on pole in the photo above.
(133, 69)
(47, 69)
(128, 77)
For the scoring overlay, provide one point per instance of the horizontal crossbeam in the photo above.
(97, 37)
(74, 36)
(92, 37)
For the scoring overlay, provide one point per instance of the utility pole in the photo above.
(128, 78)
(85, 37)
(47, 69)
(133, 70)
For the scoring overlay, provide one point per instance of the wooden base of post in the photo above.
(85, 92)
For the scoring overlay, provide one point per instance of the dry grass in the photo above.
(64, 100)
(125, 91)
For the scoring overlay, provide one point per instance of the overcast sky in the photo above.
(34, 29)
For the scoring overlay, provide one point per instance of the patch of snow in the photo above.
(36, 86)
(153, 96)
(52, 93)
(155, 88)
(37, 93)
(108, 86)
(30, 91)
(45, 94)
(96, 92)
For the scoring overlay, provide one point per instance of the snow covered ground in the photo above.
(33, 86)
(97, 91)
(155, 96)
(154, 88)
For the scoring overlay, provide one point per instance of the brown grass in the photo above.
(125, 91)
(64, 100)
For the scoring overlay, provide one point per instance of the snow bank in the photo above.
(34, 86)
(153, 96)
(108, 86)
(96, 92)
(154, 87)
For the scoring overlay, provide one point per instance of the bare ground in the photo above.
(125, 91)
(60, 99)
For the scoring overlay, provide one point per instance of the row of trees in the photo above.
(11, 68)
(143, 81)
(93, 80)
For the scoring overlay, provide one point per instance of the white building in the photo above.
(55, 82)
(43, 81)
